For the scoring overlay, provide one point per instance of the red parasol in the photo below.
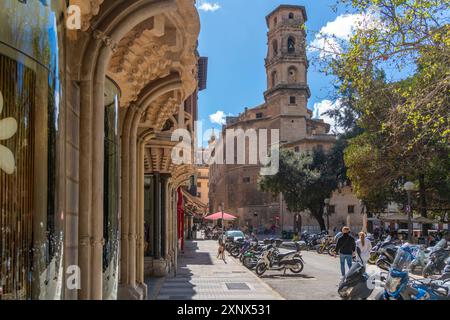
(218, 215)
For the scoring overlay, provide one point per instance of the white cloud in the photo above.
(218, 117)
(330, 37)
(318, 113)
(208, 6)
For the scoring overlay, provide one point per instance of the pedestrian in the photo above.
(364, 246)
(345, 246)
(221, 249)
(376, 233)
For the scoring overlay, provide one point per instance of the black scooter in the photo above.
(436, 263)
(356, 283)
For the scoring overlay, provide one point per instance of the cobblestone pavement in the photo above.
(319, 279)
(201, 276)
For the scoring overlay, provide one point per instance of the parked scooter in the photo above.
(399, 287)
(436, 263)
(355, 285)
(273, 259)
(388, 250)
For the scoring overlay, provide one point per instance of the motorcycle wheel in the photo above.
(332, 250)
(248, 263)
(298, 266)
(235, 252)
(427, 271)
(260, 269)
(319, 249)
(373, 258)
(382, 265)
(241, 258)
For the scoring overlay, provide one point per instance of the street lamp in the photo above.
(327, 203)
(363, 211)
(409, 187)
(221, 208)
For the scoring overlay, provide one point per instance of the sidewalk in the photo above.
(201, 276)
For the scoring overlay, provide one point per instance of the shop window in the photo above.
(31, 213)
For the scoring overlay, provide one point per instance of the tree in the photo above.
(305, 181)
(405, 130)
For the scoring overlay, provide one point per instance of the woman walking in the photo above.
(365, 246)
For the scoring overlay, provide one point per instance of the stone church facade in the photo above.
(285, 108)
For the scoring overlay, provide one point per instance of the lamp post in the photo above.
(409, 187)
(221, 209)
(327, 203)
(363, 211)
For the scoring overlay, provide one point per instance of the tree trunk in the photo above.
(318, 215)
(321, 222)
(298, 222)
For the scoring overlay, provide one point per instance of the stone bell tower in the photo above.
(286, 62)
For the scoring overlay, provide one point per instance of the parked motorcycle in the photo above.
(355, 285)
(387, 250)
(436, 263)
(399, 287)
(273, 259)
(376, 249)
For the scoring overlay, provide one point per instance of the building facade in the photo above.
(285, 109)
(202, 173)
(90, 92)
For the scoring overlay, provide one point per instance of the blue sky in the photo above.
(234, 38)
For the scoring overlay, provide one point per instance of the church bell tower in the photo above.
(286, 62)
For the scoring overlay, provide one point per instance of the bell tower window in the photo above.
(291, 45)
(292, 100)
(291, 15)
(292, 75)
(275, 47)
(274, 79)
(275, 21)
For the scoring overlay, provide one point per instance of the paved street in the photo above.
(201, 275)
(318, 281)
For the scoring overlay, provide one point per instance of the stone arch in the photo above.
(291, 44)
(129, 167)
(114, 22)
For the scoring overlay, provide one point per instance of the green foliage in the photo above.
(305, 181)
(404, 125)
